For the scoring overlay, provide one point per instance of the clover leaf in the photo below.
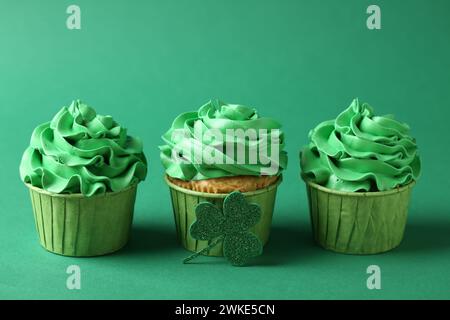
(239, 247)
(209, 223)
(230, 226)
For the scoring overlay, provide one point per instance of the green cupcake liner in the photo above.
(79, 226)
(185, 200)
(358, 222)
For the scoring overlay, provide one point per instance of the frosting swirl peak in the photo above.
(79, 151)
(359, 151)
(218, 128)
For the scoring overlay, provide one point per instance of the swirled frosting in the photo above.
(80, 151)
(190, 135)
(359, 151)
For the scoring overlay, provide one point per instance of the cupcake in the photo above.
(216, 150)
(359, 171)
(82, 171)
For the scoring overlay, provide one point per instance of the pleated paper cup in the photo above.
(358, 222)
(184, 202)
(79, 226)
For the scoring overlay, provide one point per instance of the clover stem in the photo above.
(206, 249)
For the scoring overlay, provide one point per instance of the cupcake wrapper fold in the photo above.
(358, 223)
(184, 202)
(75, 225)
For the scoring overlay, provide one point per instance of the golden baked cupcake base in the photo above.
(227, 184)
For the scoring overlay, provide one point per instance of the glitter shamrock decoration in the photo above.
(230, 226)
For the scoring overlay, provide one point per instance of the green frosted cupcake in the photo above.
(209, 153)
(359, 170)
(82, 170)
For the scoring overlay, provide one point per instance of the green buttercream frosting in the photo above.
(80, 151)
(192, 139)
(359, 151)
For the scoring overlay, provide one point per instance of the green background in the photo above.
(302, 62)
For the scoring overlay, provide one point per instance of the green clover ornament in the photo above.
(230, 226)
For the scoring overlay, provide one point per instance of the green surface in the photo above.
(299, 61)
